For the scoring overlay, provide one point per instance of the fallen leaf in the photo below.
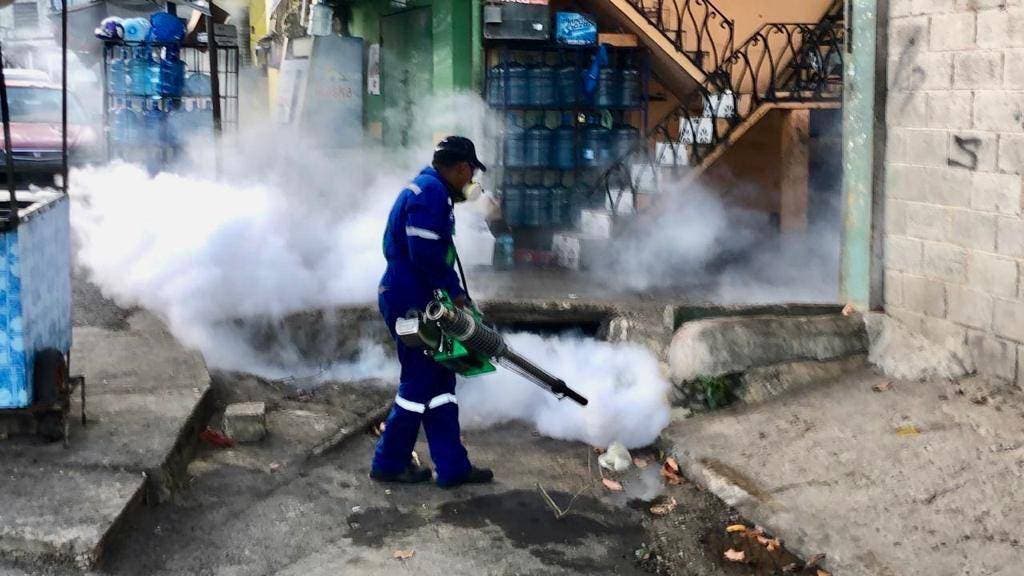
(790, 568)
(670, 476)
(735, 528)
(907, 430)
(664, 508)
(823, 573)
(611, 484)
(735, 555)
(275, 466)
(640, 462)
(882, 386)
(380, 428)
(403, 554)
(772, 544)
(815, 560)
(849, 310)
(672, 464)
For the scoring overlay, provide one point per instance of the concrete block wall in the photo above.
(954, 208)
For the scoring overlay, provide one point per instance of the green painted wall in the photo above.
(457, 45)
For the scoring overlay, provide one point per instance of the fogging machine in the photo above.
(458, 339)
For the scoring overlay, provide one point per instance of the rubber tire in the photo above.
(50, 426)
(49, 376)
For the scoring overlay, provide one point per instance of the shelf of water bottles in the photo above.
(557, 137)
(159, 97)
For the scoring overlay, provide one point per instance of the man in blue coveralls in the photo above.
(421, 256)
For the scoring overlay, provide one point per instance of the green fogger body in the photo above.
(458, 339)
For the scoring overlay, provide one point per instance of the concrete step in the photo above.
(147, 398)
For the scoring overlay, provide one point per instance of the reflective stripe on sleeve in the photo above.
(415, 188)
(410, 406)
(422, 233)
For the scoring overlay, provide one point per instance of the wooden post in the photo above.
(794, 169)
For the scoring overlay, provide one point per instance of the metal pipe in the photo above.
(5, 117)
(64, 94)
(214, 55)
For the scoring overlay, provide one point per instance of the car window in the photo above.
(40, 105)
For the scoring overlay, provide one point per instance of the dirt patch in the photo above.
(370, 527)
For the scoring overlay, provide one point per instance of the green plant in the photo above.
(717, 390)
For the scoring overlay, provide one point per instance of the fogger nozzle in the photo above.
(482, 339)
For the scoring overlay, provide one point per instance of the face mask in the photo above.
(472, 191)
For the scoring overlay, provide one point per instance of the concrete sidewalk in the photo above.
(145, 402)
(916, 479)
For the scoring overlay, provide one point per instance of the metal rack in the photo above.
(583, 180)
(224, 91)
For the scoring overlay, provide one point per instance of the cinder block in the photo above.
(993, 356)
(977, 69)
(896, 214)
(975, 5)
(903, 254)
(921, 71)
(928, 222)
(1011, 156)
(893, 289)
(924, 295)
(972, 230)
(993, 274)
(1001, 28)
(998, 110)
(953, 31)
(974, 151)
(946, 187)
(970, 307)
(1020, 367)
(1009, 319)
(910, 109)
(943, 332)
(998, 193)
(908, 34)
(931, 6)
(944, 262)
(1010, 237)
(246, 421)
(1013, 74)
(918, 147)
(899, 8)
(952, 109)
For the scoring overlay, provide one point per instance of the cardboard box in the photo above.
(577, 251)
(620, 40)
(596, 223)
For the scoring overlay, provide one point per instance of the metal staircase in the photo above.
(781, 66)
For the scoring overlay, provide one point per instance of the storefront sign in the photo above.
(575, 29)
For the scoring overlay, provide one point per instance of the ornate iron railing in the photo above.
(697, 29)
(778, 63)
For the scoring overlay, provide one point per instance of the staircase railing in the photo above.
(697, 29)
(778, 63)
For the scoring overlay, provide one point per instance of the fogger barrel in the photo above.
(482, 339)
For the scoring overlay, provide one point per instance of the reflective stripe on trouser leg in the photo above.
(412, 406)
(441, 400)
(441, 423)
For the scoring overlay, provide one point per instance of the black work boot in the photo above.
(474, 476)
(412, 475)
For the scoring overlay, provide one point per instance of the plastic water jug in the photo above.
(171, 75)
(518, 85)
(512, 205)
(515, 145)
(623, 137)
(595, 151)
(542, 86)
(136, 29)
(123, 125)
(496, 86)
(608, 88)
(564, 145)
(117, 73)
(504, 252)
(139, 74)
(538, 146)
(560, 206)
(567, 81)
(165, 28)
(534, 213)
(630, 92)
(198, 84)
(153, 124)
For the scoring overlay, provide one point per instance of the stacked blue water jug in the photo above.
(149, 85)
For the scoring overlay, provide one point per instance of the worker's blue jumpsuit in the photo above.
(420, 252)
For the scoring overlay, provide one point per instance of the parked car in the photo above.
(35, 107)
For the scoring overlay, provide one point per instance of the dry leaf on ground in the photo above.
(813, 561)
(274, 466)
(907, 430)
(772, 544)
(612, 485)
(882, 386)
(665, 507)
(848, 310)
(403, 554)
(735, 555)
(735, 528)
(672, 464)
(640, 462)
(670, 471)
(823, 573)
